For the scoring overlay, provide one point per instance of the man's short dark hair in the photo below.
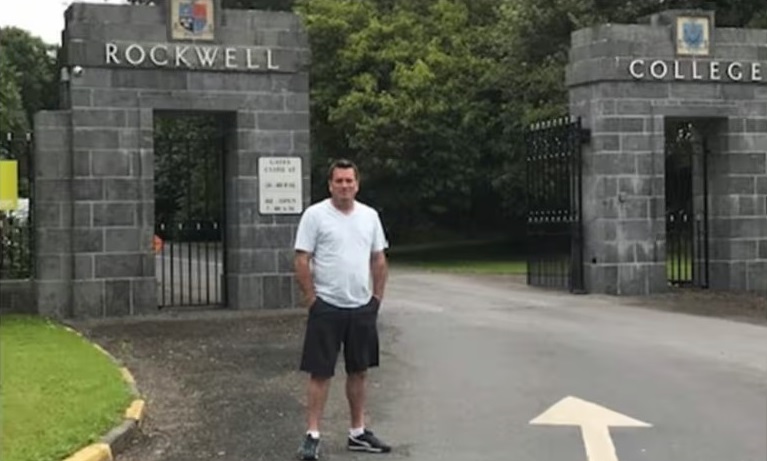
(343, 164)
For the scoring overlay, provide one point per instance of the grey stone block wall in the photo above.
(624, 196)
(739, 205)
(96, 160)
(260, 246)
(113, 207)
(53, 213)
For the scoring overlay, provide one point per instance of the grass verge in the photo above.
(486, 257)
(57, 391)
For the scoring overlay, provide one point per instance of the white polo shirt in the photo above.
(341, 245)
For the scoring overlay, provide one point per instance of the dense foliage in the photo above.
(27, 78)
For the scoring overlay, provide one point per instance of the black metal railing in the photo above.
(189, 263)
(686, 184)
(17, 242)
(189, 210)
(554, 190)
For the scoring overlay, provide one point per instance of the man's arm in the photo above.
(380, 271)
(304, 276)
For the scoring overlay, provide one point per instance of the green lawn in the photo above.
(494, 257)
(57, 392)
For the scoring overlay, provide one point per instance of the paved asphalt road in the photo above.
(467, 363)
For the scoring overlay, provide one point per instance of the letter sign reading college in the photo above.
(696, 70)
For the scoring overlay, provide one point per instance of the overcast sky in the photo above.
(42, 18)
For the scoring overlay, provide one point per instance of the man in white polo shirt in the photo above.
(339, 243)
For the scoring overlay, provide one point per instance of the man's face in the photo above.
(343, 185)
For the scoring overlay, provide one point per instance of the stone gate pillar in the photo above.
(95, 158)
(626, 82)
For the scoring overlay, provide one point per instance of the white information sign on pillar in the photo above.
(279, 185)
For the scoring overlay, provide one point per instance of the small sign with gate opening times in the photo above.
(279, 185)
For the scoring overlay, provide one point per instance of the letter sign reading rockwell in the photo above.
(692, 39)
(207, 57)
(279, 185)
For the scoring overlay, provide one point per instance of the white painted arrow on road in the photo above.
(595, 422)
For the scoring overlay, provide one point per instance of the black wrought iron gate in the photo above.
(17, 242)
(554, 221)
(189, 210)
(686, 186)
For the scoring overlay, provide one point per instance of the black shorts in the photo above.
(329, 326)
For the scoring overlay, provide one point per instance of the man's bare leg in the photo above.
(355, 393)
(318, 395)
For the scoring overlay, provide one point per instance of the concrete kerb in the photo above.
(117, 439)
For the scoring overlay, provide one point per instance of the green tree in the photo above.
(12, 116)
(407, 90)
(759, 20)
(33, 68)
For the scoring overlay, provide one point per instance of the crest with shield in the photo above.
(192, 19)
(692, 36)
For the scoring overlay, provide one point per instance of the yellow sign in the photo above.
(9, 185)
